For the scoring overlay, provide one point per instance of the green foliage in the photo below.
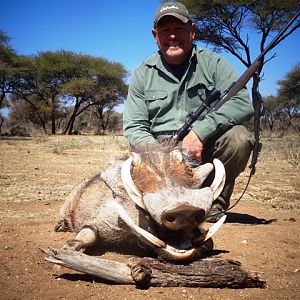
(281, 110)
(272, 102)
(227, 25)
(52, 81)
(6, 52)
(98, 83)
(7, 57)
(288, 93)
(289, 87)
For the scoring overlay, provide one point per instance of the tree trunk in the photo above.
(70, 123)
(53, 123)
(214, 272)
(1, 123)
(101, 120)
(43, 125)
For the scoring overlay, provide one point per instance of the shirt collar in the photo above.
(156, 61)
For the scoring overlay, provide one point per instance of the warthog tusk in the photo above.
(214, 228)
(161, 246)
(178, 254)
(219, 180)
(129, 185)
(175, 254)
(207, 234)
(147, 237)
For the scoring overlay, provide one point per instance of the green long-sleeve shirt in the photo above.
(157, 101)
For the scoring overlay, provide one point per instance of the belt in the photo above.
(164, 132)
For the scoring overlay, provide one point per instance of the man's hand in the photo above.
(192, 146)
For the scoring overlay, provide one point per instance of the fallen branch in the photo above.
(208, 272)
(105, 269)
(212, 272)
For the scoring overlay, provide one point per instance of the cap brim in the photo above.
(180, 17)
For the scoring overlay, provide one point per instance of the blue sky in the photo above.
(117, 30)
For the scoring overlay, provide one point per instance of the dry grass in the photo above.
(286, 148)
(45, 168)
(276, 181)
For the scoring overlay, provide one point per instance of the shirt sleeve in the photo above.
(136, 124)
(235, 111)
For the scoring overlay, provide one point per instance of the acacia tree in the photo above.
(111, 93)
(289, 90)
(289, 87)
(52, 81)
(100, 84)
(25, 87)
(270, 113)
(283, 107)
(227, 25)
(38, 81)
(7, 57)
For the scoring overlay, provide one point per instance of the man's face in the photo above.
(174, 39)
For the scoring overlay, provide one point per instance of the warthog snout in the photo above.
(183, 217)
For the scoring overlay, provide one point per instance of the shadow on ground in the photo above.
(247, 219)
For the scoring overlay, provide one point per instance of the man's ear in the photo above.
(193, 30)
(154, 32)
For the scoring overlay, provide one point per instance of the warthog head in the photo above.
(174, 200)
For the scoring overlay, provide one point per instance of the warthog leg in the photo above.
(86, 237)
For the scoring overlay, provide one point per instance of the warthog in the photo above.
(152, 197)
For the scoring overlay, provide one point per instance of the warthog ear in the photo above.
(135, 158)
(219, 180)
(176, 155)
(201, 173)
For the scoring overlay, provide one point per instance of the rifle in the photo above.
(233, 89)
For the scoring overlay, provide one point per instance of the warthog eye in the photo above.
(199, 219)
(170, 218)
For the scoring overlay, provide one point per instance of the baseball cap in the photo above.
(175, 9)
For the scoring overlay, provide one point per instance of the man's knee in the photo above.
(238, 139)
(233, 148)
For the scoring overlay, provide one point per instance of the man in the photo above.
(175, 81)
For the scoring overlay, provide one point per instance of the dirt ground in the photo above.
(262, 231)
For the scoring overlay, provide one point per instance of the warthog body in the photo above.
(153, 197)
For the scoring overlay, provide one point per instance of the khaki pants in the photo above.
(233, 148)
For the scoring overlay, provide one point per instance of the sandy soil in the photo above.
(262, 231)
